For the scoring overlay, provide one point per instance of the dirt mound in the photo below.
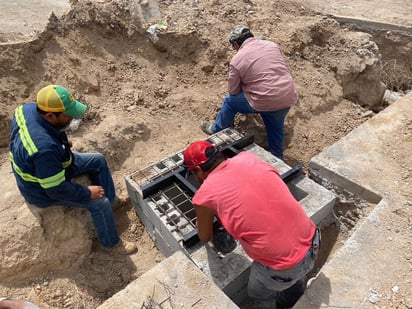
(146, 99)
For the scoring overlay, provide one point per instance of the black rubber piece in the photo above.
(223, 241)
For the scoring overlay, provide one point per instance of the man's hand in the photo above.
(204, 222)
(97, 192)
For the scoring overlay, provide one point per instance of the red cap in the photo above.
(195, 154)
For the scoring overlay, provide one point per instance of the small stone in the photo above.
(131, 108)
(367, 114)
(67, 303)
(395, 289)
(133, 228)
(374, 299)
(58, 293)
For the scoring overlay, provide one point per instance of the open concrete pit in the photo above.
(161, 196)
(146, 98)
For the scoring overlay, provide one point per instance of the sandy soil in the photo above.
(146, 101)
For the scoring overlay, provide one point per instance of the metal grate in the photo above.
(159, 169)
(226, 137)
(175, 204)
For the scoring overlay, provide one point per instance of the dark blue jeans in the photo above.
(274, 120)
(95, 165)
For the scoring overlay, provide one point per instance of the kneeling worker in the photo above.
(44, 165)
(256, 207)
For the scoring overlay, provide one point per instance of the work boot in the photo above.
(115, 202)
(119, 203)
(207, 127)
(123, 247)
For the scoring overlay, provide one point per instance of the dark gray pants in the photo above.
(268, 286)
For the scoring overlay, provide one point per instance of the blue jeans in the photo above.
(268, 286)
(95, 165)
(274, 120)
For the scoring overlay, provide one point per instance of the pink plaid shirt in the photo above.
(259, 70)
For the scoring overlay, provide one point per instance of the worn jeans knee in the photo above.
(95, 165)
(232, 105)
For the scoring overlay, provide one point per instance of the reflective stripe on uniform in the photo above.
(25, 176)
(67, 163)
(53, 181)
(31, 149)
(45, 183)
(24, 132)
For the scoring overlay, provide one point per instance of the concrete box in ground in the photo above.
(161, 196)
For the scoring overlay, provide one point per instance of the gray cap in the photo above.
(238, 32)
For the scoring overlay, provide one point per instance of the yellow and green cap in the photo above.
(55, 98)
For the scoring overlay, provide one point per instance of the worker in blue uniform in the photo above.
(44, 164)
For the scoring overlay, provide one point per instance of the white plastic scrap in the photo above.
(153, 30)
(74, 124)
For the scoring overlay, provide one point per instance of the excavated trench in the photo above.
(396, 64)
(350, 210)
(395, 46)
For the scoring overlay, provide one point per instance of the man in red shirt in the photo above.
(255, 207)
(259, 82)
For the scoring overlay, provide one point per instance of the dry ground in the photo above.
(146, 101)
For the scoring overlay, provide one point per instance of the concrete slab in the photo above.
(384, 11)
(174, 283)
(373, 162)
(22, 19)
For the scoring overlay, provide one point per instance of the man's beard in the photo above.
(63, 126)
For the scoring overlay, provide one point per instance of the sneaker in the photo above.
(123, 247)
(207, 127)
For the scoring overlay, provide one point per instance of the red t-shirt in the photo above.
(256, 207)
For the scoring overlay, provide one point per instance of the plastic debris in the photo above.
(153, 30)
(74, 124)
